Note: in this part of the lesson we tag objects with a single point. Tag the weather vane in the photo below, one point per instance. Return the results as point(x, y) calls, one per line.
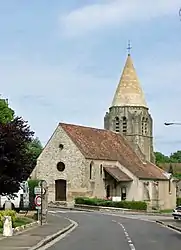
point(129, 47)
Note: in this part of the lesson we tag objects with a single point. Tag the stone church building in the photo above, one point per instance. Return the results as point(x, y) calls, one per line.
point(117, 161)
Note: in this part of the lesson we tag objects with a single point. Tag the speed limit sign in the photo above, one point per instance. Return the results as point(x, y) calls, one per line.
point(38, 200)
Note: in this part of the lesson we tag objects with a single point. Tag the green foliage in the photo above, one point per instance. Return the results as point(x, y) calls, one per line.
point(176, 157)
point(11, 213)
point(6, 113)
point(135, 205)
point(161, 158)
point(35, 148)
point(173, 158)
point(15, 158)
point(32, 184)
point(178, 201)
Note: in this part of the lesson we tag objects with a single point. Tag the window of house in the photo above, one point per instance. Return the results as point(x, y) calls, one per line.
point(169, 185)
point(117, 124)
point(101, 170)
point(123, 193)
point(124, 128)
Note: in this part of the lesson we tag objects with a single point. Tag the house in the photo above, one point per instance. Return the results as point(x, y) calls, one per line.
point(117, 161)
point(175, 169)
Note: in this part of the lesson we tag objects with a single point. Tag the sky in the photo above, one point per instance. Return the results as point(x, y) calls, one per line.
point(60, 61)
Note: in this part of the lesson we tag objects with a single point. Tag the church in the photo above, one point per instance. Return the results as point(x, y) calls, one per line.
point(116, 162)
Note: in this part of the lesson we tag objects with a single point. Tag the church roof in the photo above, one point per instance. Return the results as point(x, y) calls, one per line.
point(100, 144)
point(129, 91)
point(117, 174)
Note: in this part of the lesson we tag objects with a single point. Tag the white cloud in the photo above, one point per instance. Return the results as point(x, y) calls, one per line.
point(46, 94)
point(115, 12)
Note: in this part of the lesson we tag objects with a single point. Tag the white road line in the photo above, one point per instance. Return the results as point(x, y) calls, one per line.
point(130, 243)
point(56, 212)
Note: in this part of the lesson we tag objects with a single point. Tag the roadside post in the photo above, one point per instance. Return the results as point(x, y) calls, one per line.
point(37, 201)
point(41, 201)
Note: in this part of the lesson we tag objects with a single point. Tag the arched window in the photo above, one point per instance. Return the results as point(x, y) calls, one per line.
point(146, 126)
point(142, 125)
point(90, 171)
point(117, 124)
point(124, 127)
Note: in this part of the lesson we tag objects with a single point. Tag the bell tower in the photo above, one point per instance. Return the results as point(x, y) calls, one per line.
point(129, 113)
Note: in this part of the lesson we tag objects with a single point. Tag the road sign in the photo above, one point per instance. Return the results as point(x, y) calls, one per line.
point(37, 190)
point(38, 200)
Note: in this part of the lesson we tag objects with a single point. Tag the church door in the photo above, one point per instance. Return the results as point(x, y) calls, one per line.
point(60, 190)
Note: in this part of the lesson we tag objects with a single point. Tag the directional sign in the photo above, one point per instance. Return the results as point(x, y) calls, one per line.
point(38, 200)
point(37, 190)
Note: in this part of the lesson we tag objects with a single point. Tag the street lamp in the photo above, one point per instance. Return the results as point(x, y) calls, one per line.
point(172, 123)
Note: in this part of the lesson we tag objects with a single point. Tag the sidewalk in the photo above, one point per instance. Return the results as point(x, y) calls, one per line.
point(33, 236)
point(171, 223)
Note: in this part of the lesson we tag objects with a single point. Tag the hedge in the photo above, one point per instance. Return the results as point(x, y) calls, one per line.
point(178, 201)
point(135, 205)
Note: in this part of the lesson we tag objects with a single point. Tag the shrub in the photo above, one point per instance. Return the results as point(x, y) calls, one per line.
point(178, 201)
point(135, 205)
point(11, 213)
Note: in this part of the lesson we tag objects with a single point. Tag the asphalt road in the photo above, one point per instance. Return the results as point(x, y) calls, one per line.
point(105, 232)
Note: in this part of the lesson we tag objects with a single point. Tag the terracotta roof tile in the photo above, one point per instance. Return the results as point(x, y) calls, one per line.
point(100, 144)
point(116, 173)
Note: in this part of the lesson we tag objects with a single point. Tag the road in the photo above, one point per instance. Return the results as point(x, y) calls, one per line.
point(97, 231)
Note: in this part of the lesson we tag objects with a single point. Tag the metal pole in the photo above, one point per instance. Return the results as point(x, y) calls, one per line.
point(172, 123)
point(41, 204)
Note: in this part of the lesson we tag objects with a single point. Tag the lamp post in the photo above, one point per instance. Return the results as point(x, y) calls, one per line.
point(172, 123)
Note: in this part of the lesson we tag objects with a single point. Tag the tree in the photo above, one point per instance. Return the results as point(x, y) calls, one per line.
point(6, 113)
point(161, 158)
point(15, 157)
point(171, 169)
point(35, 147)
point(176, 157)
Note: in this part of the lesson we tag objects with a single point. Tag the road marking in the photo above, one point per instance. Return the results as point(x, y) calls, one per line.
point(56, 212)
point(53, 242)
point(130, 243)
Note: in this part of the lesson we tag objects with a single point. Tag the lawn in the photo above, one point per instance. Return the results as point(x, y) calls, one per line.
point(20, 221)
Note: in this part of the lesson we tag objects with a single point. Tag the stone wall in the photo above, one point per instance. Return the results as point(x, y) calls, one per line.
point(73, 159)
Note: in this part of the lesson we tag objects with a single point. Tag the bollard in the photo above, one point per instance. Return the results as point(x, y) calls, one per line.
point(7, 227)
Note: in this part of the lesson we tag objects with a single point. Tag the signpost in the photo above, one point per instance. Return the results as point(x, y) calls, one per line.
point(41, 200)
point(38, 204)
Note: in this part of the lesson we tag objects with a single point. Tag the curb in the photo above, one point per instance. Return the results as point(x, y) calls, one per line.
point(23, 227)
point(52, 237)
point(168, 225)
point(72, 208)
point(106, 209)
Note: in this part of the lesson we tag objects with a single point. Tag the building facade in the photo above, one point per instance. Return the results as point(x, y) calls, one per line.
point(117, 161)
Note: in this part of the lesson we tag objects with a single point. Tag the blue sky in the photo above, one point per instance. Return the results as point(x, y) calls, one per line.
point(62, 60)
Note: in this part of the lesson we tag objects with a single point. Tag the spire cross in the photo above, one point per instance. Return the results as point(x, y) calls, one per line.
point(129, 47)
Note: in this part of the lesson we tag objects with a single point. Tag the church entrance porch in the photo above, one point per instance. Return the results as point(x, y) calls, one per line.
point(60, 190)
point(116, 183)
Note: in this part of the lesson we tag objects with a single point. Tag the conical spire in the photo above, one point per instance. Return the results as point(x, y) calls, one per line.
point(129, 91)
